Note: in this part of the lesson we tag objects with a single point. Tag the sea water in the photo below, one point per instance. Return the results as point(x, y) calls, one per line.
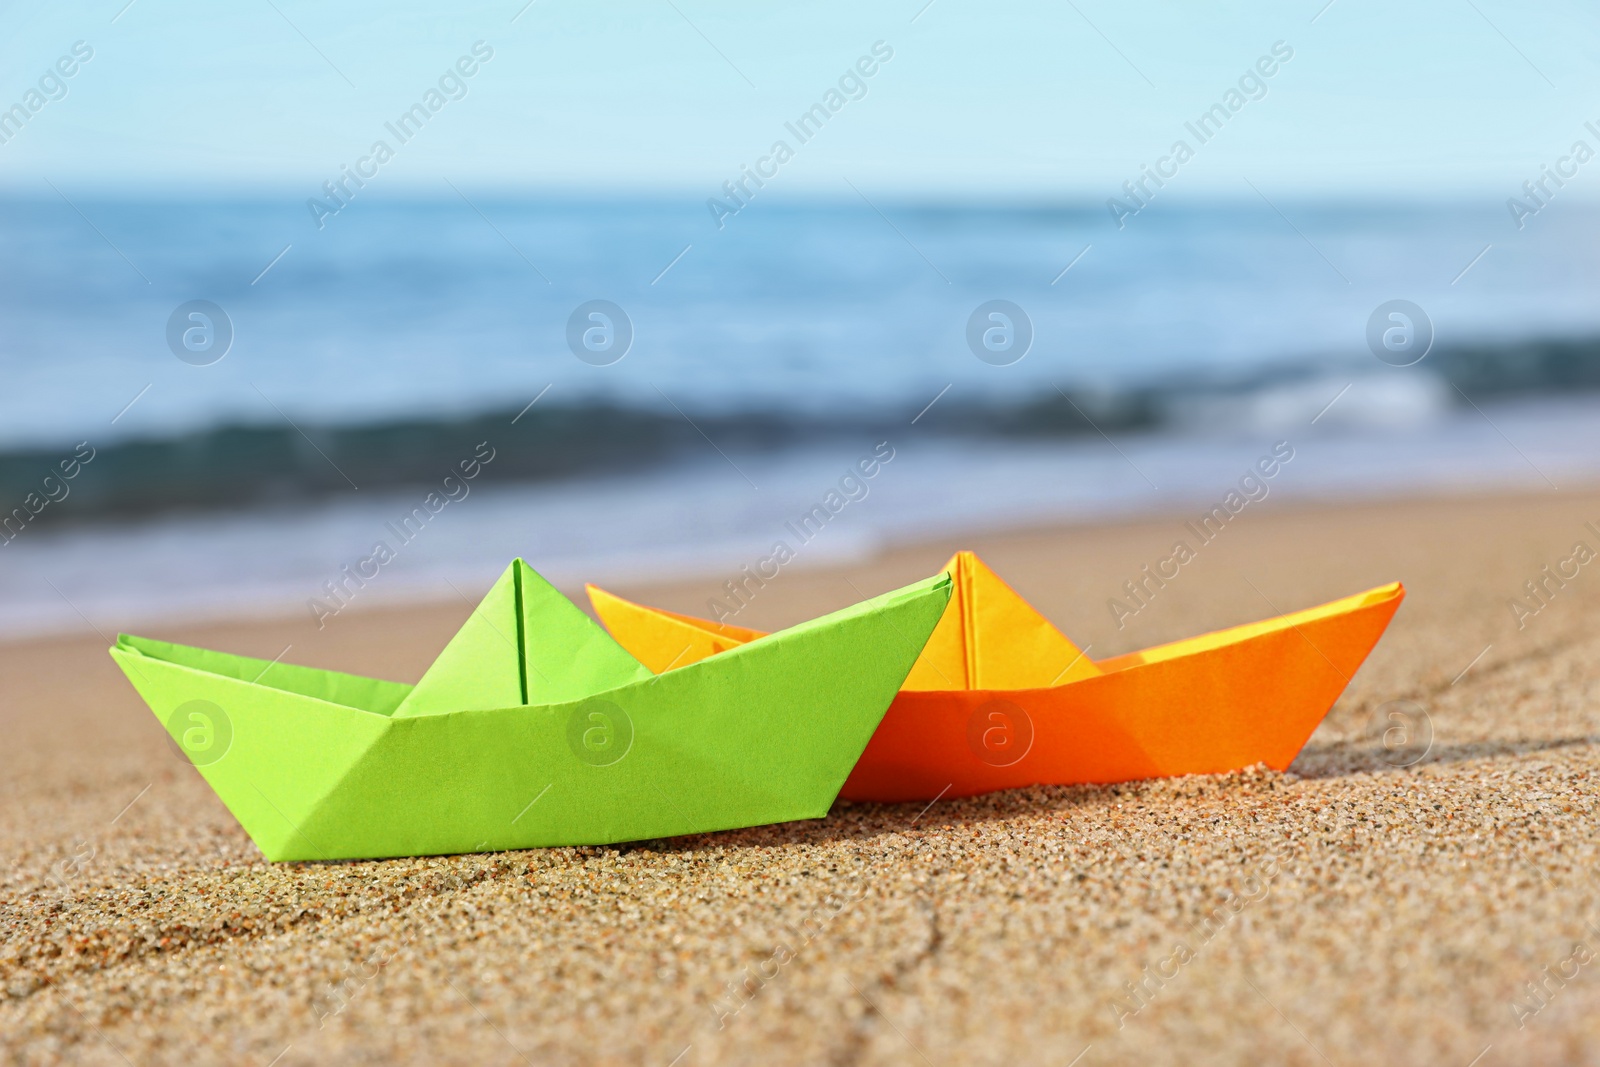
point(1187, 341)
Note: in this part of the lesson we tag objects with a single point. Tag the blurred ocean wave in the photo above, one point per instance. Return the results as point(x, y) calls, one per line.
point(710, 514)
point(428, 312)
point(263, 463)
point(368, 360)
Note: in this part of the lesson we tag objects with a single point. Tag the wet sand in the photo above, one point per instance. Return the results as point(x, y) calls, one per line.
point(1379, 903)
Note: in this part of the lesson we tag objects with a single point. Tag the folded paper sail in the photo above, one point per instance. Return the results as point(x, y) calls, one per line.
point(535, 728)
point(1000, 699)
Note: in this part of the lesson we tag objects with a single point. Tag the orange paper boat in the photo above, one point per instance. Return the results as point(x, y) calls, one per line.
point(1000, 698)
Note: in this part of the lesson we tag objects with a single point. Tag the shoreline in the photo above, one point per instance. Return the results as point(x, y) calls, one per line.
point(707, 582)
point(702, 518)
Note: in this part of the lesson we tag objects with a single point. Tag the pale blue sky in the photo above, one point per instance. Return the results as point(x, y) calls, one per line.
point(1442, 98)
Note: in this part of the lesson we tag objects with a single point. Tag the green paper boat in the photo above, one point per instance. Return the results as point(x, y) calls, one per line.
point(535, 728)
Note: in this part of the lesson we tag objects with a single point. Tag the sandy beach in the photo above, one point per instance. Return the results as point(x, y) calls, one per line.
point(1425, 902)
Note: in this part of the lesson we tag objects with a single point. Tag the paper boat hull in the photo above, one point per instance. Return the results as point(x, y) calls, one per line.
point(767, 736)
point(1208, 705)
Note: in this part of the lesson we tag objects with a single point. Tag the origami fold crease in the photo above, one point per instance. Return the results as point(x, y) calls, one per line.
point(534, 727)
